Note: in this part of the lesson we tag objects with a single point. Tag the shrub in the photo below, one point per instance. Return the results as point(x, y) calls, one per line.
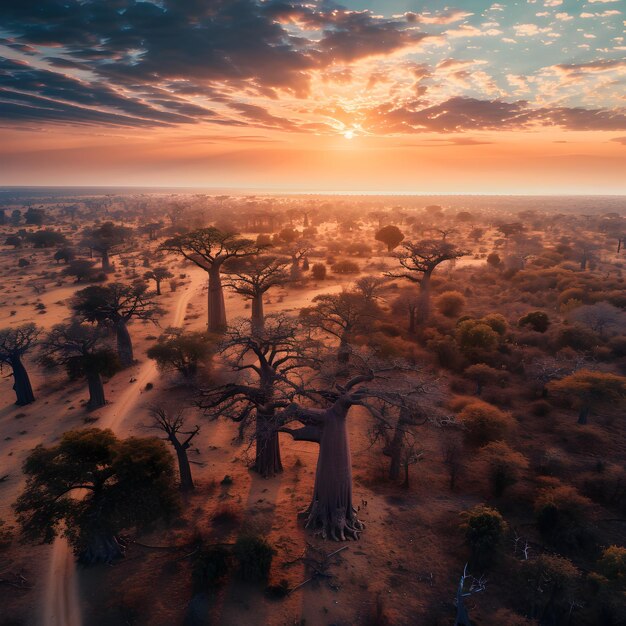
point(23, 262)
point(209, 567)
point(537, 320)
point(484, 529)
point(612, 563)
point(484, 423)
point(474, 336)
point(504, 465)
point(560, 512)
point(318, 271)
point(450, 303)
point(254, 557)
point(346, 267)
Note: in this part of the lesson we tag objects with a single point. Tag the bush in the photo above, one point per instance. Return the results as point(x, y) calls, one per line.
point(346, 267)
point(484, 529)
point(612, 563)
point(484, 423)
point(560, 512)
point(537, 320)
point(209, 567)
point(504, 465)
point(318, 271)
point(474, 337)
point(254, 557)
point(451, 303)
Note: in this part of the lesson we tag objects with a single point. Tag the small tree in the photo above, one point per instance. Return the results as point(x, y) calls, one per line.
point(172, 426)
point(181, 351)
point(82, 270)
point(484, 532)
point(318, 271)
point(391, 236)
point(484, 423)
point(105, 240)
point(84, 351)
point(65, 254)
point(14, 344)
point(158, 275)
point(451, 303)
point(483, 375)
point(115, 305)
point(537, 320)
point(504, 465)
point(590, 390)
point(45, 238)
point(130, 484)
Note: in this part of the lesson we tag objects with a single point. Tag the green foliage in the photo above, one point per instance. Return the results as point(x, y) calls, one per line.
point(254, 558)
point(537, 320)
point(128, 484)
point(484, 530)
point(473, 336)
point(181, 351)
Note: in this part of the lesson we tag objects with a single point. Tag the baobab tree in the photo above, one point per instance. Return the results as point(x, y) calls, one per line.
point(14, 344)
point(331, 511)
point(391, 236)
point(114, 306)
point(298, 251)
point(267, 368)
point(210, 248)
point(252, 278)
point(158, 275)
point(419, 260)
point(173, 426)
point(105, 240)
point(85, 352)
point(342, 315)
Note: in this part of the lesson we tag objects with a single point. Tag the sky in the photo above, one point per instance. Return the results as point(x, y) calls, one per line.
point(365, 95)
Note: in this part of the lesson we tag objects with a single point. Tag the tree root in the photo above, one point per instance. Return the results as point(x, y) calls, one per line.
point(333, 525)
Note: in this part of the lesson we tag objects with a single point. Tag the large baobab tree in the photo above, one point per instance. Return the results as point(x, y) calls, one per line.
point(173, 425)
point(14, 344)
point(85, 352)
point(331, 511)
point(342, 315)
point(210, 248)
point(298, 251)
point(105, 240)
point(267, 368)
point(252, 278)
point(115, 305)
point(418, 261)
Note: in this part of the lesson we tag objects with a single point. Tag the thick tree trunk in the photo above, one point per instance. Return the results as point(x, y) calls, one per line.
point(217, 308)
point(294, 273)
point(124, 344)
point(343, 354)
point(158, 287)
point(106, 263)
point(331, 511)
point(395, 453)
point(96, 391)
point(101, 549)
point(21, 385)
point(423, 312)
point(258, 317)
point(267, 460)
point(583, 414)
point(184, 468)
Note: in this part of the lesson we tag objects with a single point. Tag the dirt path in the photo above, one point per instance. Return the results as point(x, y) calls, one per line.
point(61, 604)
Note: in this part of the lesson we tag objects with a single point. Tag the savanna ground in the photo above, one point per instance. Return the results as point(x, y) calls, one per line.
point(406, 566)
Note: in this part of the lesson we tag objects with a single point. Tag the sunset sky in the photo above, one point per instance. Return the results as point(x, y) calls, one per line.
point(379, 95)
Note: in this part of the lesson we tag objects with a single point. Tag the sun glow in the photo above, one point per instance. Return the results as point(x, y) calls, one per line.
point(349, 134)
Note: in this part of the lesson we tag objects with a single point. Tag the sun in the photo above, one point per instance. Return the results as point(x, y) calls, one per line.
point(349, 134)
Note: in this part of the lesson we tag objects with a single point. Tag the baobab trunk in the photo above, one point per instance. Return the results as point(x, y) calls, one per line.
point(217, 309)
point(106, 263)
point(258, 316)
point(395, 453)
point(294, 272)
point(267, 460)
point(124, 343)
point(184, 468)
point(96, 391)
point(424, 299)
point(331, 510)
point(21, 385)
point(343, 354)
point(158, 287)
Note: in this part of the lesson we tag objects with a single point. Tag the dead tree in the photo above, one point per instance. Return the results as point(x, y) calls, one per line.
point(252, 278)
point(14, 344)
point(468, 586)
point(209, 249)
point(266, 367)
point(172, 426)
point(418, 261)
point(297, 252)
